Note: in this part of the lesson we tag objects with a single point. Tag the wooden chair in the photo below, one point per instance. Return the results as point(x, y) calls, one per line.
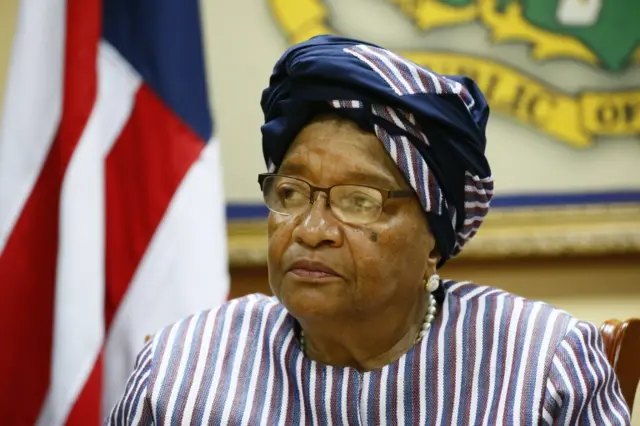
point(622, 345)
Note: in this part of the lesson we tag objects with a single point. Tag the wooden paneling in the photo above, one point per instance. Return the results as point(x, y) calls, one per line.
point(532, 277)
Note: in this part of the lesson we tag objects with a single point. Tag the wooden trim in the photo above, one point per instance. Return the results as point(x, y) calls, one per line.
point(506, 233)
point(536, 278)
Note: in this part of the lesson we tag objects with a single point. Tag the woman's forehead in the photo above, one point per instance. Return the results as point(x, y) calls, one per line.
point(339, 148)
point(329, 137)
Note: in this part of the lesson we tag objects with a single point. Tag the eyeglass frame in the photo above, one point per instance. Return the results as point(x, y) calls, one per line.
point(385, 193)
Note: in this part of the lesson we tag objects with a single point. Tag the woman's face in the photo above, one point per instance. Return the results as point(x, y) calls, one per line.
point(375, 265)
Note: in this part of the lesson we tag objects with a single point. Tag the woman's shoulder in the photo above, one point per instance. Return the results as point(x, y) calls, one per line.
point(210, 327)
point(465, 292)
point(555, 362)
point(210, 322)
point(496, 307)
point(178, 355)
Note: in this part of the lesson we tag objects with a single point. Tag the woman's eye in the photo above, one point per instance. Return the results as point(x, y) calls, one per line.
point(291, 194)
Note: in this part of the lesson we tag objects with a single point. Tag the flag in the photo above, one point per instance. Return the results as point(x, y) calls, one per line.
point(111, 211)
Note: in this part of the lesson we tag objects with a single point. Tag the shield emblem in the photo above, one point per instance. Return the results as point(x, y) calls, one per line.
point(593, 33)
point(604, 33)
point(609, 29)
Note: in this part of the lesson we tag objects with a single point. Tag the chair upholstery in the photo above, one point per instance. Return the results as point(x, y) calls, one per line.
point(622, 346)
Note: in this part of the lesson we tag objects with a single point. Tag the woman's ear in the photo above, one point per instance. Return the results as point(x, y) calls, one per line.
point(432, 261)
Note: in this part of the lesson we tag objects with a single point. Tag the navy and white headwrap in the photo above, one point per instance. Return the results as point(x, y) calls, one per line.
point(432, 126)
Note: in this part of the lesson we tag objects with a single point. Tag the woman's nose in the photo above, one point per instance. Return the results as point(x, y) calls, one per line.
point(318, 225)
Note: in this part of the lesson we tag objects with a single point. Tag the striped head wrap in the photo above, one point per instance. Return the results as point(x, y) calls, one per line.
point(431, 125)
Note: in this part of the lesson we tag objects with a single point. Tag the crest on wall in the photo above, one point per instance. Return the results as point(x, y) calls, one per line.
point(540, 58)
point(598, 33)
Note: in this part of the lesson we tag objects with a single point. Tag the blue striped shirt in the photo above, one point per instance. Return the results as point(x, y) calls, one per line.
point(490, 358)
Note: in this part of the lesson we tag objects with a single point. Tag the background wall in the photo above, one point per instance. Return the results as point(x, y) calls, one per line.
point(8, 10)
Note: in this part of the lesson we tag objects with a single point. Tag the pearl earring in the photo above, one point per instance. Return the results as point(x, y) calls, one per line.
point(433, 283)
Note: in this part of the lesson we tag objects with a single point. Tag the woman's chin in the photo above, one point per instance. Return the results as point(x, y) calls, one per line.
point(305, 299)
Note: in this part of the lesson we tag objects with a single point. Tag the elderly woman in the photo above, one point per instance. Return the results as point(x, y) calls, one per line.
point(377, 176)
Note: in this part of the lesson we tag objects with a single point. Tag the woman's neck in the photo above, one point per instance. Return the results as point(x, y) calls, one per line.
point(366, 344)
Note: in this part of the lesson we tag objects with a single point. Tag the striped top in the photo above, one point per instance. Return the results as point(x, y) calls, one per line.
point(490, 358)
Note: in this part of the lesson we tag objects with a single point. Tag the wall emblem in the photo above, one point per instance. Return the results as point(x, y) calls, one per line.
point(603, 35)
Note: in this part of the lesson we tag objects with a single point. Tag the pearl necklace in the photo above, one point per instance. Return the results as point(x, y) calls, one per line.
point(432, 309)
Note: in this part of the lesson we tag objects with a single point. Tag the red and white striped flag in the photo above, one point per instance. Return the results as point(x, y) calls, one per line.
point(112, 219)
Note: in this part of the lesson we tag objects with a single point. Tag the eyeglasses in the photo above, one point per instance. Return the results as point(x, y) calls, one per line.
point(353, 204)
